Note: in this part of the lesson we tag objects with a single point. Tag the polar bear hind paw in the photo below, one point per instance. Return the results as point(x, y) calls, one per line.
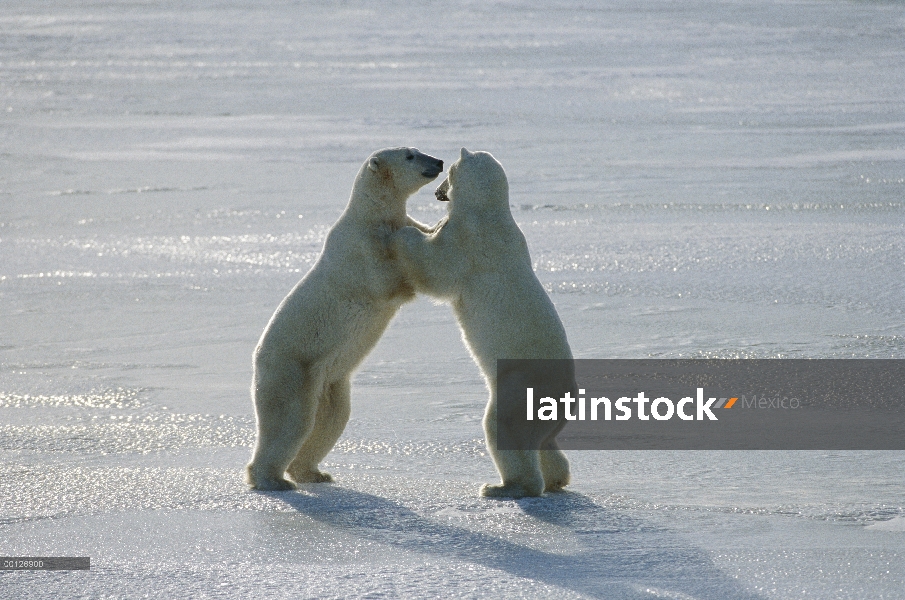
point(312, 477)
point(513, 490)
point(556, 486)
point(274, 485)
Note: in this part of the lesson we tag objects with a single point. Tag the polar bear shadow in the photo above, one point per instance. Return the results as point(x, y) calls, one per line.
point(613, 545)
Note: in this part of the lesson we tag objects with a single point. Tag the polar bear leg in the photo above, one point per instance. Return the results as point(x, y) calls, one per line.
point(519, 469)
point(285, 398)
point(333, 412)
point(554, 465)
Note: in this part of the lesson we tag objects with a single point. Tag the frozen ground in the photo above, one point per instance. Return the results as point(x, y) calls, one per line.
point(716, 179)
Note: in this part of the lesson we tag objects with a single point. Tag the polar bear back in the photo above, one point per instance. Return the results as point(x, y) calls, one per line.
point(501, 305)
point(505, 312)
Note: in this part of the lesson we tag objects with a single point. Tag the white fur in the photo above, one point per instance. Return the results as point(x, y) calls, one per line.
point(478, 261)
point(330, 321)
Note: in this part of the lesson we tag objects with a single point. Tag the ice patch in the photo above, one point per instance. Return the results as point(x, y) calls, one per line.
point(130, 433)
point(894, 524)
point(118, 398)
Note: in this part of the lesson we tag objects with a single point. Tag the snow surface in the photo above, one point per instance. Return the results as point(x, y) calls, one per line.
point(695, 179)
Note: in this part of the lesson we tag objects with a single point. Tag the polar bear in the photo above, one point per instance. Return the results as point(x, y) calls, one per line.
point(330, 321)
point(478, 261)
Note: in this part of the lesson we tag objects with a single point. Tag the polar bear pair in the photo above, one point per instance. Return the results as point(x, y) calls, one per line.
point(476, 259)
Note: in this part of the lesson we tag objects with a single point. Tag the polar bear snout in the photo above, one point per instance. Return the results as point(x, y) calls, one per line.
point(432, 166)
point(441, 190)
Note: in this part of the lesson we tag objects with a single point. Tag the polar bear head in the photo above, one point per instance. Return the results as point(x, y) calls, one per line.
point(401, 170)
point(477, 180)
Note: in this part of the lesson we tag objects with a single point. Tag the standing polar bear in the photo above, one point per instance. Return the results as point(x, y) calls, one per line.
point(478, 261)
point(329, 322)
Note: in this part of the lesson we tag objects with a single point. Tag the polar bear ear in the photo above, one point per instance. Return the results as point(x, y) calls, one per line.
point(374, 164)
point(464, 153)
